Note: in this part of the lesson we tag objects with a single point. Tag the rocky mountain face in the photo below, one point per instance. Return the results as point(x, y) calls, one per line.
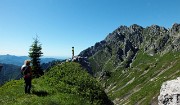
point(120, 47)
point(132, 62)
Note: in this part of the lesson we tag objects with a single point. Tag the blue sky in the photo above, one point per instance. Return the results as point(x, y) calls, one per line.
point(61, 24)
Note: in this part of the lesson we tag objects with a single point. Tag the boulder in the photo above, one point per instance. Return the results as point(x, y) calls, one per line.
point(170, 93)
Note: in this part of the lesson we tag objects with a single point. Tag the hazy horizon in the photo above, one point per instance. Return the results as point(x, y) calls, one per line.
point(56, 57)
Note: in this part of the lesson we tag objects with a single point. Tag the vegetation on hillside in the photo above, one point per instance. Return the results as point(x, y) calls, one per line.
point(63, 84)
point(140, 84)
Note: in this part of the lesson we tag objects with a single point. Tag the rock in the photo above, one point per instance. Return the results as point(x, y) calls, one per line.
point(170, 93)
point(175, 29)
point(84, 63)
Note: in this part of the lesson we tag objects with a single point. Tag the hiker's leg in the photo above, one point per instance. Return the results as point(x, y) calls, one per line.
point(26, 85)
point(29, 85)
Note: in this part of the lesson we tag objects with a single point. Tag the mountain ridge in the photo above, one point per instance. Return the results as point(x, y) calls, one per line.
point(136, 35)
point(124, 42)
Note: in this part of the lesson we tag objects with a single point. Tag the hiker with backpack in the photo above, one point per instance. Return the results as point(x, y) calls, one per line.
point(27, 74)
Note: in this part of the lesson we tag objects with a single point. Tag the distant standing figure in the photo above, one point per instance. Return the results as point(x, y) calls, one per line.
point(27, 74)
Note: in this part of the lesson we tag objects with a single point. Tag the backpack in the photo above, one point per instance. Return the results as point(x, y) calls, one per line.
point(24, 70)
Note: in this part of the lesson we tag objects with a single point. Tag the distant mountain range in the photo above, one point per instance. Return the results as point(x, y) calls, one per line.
point(19, 60)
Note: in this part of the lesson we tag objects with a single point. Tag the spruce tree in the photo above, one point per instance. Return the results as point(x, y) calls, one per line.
point(35, 53)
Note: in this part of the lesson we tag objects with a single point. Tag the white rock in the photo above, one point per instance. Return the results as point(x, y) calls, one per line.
point(170, 93)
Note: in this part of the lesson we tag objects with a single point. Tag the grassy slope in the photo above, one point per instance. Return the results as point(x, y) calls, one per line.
point(66, 84)
point(141, 83)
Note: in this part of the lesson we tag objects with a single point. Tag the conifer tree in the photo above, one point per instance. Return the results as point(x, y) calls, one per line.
point(35, 53)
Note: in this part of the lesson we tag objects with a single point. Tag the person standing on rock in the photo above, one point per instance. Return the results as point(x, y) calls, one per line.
point(27, 74)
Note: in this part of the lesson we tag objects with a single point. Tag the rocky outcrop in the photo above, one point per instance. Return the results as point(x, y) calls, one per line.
point(93, 49)
point(155, 39)
point(170, 93)
point(84, 63)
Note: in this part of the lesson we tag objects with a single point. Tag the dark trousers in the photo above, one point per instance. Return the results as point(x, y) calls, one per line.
point(27, 85)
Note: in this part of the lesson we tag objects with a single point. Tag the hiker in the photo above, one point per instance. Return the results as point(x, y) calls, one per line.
point(27, 74)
